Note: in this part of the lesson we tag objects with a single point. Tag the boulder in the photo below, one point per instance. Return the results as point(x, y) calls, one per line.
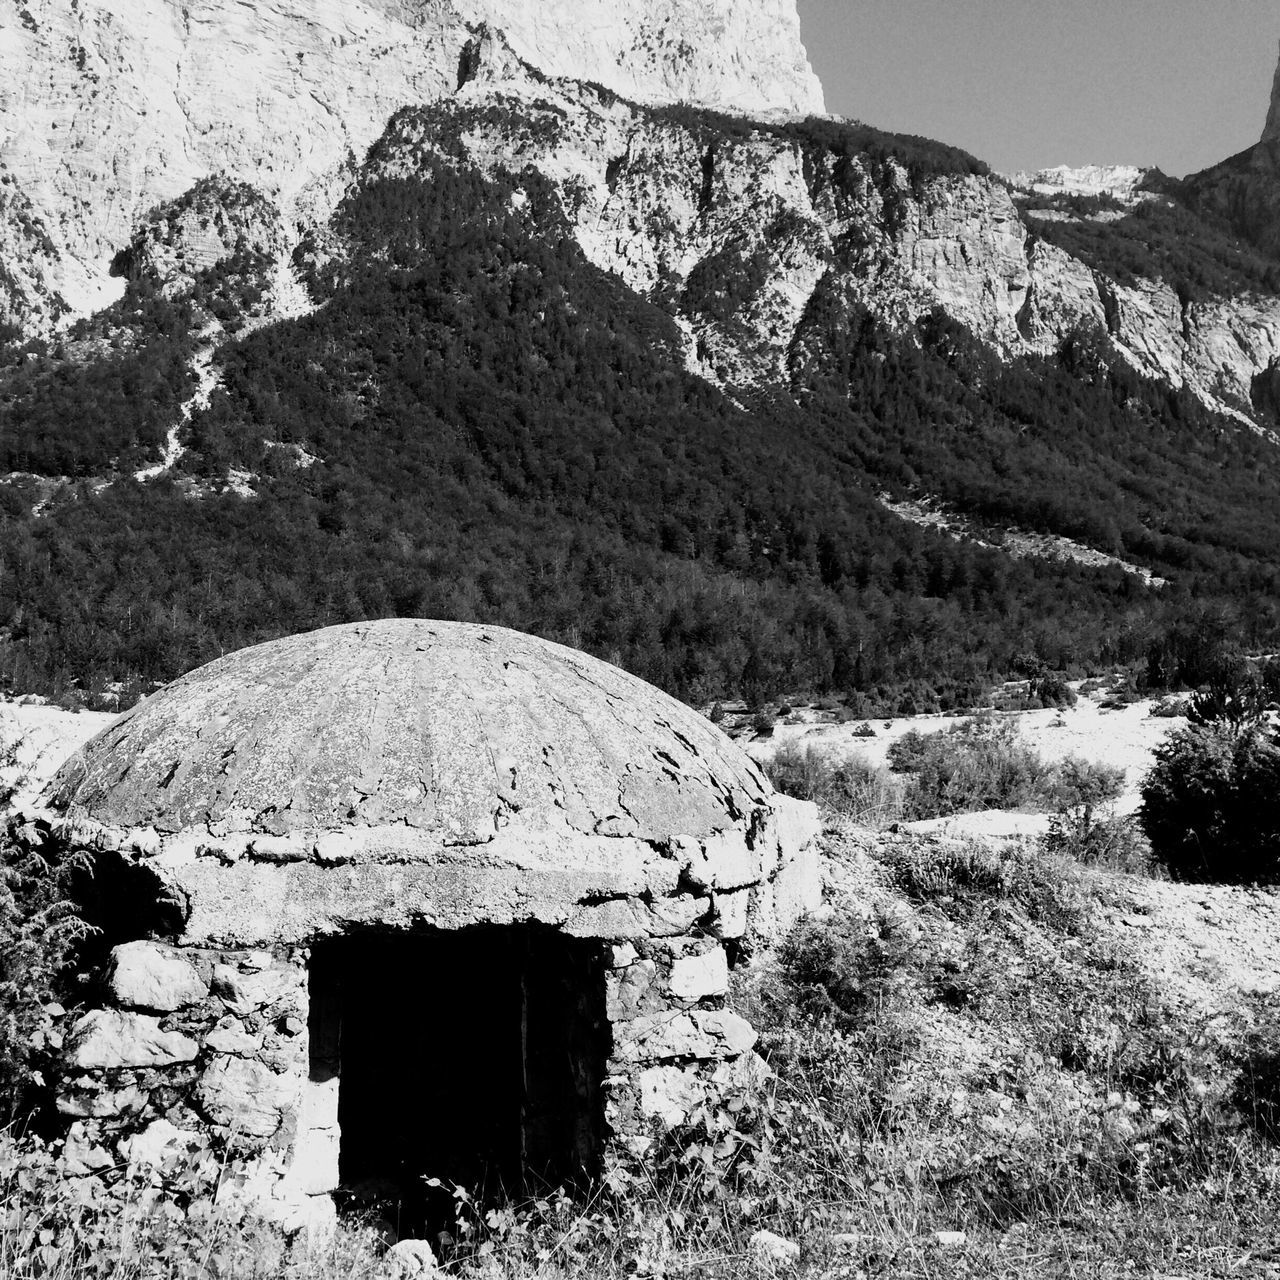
point(245, 1096)
point(409, 1259)
point(106, 1038)
point(144, 975)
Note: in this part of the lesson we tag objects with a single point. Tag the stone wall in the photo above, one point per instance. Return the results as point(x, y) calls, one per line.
point(188, 1041)
point(197, 1042)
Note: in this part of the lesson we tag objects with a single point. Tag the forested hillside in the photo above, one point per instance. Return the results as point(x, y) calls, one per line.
point(477, 423)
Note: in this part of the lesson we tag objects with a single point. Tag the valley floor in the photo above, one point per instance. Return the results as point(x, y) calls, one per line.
point(990, 1061)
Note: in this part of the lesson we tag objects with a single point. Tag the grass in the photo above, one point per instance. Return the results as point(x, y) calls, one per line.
point(959, 1043)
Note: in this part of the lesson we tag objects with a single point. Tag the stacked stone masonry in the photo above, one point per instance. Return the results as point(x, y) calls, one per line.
point(503, 791)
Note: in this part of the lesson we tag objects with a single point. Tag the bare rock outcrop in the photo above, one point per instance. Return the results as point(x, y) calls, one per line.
point(1271, 132)
point(108, 109)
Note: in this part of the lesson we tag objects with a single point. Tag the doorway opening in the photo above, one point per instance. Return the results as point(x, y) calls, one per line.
point(475, 1057)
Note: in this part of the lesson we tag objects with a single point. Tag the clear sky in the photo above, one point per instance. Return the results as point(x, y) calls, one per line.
point(1025, 84)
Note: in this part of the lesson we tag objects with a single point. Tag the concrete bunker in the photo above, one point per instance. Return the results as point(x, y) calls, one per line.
point(406, 899)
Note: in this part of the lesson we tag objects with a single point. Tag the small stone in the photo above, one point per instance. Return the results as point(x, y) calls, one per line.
point(737, 1033)
point(146, 842)
point(773, 1251)
point(81, 1157)
point(622, 955)
point(146, 976)
point(408, 1259)
point(87, 1100)
point(231, 1038)
point(336, 848)
point(697, 977)
point(281, 849)
point(950, 1239)
point(244, 993)
point(626, 989)
point(159, 1141)
point(105, 1038)
point(669, 1094)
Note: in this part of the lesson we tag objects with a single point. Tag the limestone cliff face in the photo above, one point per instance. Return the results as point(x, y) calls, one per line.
point(737, 233)
point(1271, 132)
point(108, 109)
point(182, 133)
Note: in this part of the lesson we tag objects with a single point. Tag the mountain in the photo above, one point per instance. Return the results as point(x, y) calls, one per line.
point(440, 315)
point(109, 109)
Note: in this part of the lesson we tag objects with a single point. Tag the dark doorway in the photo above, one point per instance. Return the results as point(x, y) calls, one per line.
point(476, 1057)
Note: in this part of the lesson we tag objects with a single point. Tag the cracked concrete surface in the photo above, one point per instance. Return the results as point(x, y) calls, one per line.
point(405, 772)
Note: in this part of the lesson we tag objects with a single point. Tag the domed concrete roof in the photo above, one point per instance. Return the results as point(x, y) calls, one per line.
point(451, 730)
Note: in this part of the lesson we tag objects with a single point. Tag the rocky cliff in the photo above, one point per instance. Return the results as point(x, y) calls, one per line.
point(115, 118)
point(1271, 132)
point(739, 228)
point(109, 109)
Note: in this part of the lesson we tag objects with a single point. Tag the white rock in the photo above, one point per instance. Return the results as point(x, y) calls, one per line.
point(772, 1251)
point(407, 1259)
point(696, 977)
point(144, 975)
point(230, 1037)
point(247, 1097)
point(669, 1094)
point(158, 1141)
point(80, 1156)
point(106, 1038)
point(159, 93)
point(736, 1033)
point(950, 1239)
point(247, 992)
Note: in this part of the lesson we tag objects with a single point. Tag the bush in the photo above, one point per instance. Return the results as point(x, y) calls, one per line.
point(848, 787)
point(1099, 840)
point(978, 764)
point(1211, 804)
point(1053, 691)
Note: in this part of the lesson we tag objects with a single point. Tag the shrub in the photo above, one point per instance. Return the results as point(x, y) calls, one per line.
point(848, 787)
point(965, 878)
point(977, 764)
point(1053, 691)
point(39, 931)
point(1211, 804)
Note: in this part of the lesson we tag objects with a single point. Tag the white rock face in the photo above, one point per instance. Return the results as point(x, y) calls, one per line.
point(653, 204)
point(1120, 181)
point(1272, 130)
point(109, 107)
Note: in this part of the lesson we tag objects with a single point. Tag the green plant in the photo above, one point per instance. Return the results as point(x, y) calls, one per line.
point(1211, 804)
point(847, 787)
point(39, 934)
point(978, 764)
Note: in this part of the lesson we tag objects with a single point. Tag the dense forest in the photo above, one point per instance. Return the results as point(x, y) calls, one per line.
point(479, 424)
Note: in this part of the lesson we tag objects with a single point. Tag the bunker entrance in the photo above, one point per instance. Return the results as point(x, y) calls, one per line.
point(476, 1057)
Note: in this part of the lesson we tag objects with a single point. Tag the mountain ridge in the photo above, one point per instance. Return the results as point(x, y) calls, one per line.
point(654, 379)
point(109, 109)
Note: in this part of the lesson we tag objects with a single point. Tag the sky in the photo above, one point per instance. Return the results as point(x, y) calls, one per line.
point(1025, 84)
